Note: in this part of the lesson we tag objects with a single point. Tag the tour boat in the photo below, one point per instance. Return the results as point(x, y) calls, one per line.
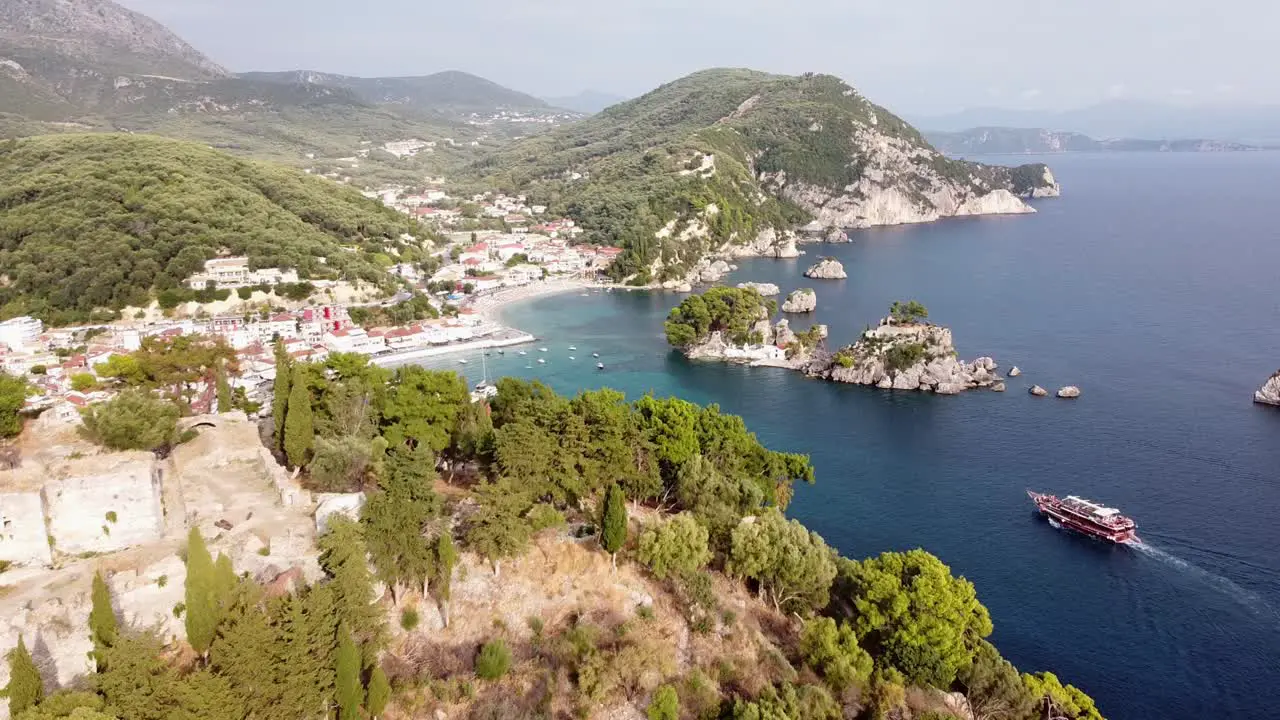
point(1086, 517)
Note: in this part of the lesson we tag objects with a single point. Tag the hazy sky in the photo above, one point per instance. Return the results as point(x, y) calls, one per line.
point(915, 56)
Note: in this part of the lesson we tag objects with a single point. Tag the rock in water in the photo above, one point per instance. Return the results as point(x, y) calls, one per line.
point(1014, 371)
point(783, 335)
point(1269, 393)
point(826, 269)
point(768, 243)
point(765, 289)
point(998, 387)
point(1038, 391)
point(803, 300)
point(835, 235)
point(1070, 391)
point(913, 356)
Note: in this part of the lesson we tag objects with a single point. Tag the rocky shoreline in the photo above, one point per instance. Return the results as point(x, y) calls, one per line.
point(906, 356)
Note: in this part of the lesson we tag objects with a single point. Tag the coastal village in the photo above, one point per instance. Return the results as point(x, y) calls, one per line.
point(522, 253)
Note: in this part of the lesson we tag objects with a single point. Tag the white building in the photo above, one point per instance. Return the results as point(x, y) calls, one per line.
point(20, 333)
point(234, 272)
point(353, 340)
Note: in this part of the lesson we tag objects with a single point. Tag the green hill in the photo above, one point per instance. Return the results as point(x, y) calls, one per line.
point(720, 155)
point(92, 223)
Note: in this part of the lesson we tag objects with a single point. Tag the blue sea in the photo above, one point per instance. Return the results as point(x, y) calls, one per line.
point(1153, 283)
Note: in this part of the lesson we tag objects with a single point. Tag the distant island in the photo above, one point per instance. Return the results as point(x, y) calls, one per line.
point(1020, 141)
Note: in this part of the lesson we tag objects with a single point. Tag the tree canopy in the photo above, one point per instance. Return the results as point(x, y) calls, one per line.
point(731, 311)
point(94, 223)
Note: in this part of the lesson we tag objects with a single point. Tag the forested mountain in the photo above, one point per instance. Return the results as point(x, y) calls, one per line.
point(450, 91)
point(720, 155)
point(1009, 140)
point(90, 223)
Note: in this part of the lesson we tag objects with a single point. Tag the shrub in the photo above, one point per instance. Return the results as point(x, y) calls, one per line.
point(674, 547)
point(162, 581)
point(901, 357)
point(494, 660)
point(665, 704)
point(111, 516)
point(409, 619)
point(132, 420)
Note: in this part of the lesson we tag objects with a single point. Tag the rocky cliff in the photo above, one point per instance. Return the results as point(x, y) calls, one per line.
point(914, 356)
point(1269, 393)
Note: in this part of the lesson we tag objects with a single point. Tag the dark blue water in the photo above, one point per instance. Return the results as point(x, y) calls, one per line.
point(1154, 284)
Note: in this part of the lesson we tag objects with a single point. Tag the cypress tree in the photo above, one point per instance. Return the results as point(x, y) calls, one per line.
point(379, 693)
point(613, 523)
point(201, 616)
point(349, 691)
point(446, 559)
point(25, 687)
point(224, 582)
point(299, 426)
point(224, 389)
point(280, 392)
point(102, 621)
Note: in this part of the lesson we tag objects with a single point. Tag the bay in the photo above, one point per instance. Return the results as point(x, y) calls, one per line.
point(1154, 285)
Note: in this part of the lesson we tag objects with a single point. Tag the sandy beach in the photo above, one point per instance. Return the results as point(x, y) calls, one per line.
point(490, 305)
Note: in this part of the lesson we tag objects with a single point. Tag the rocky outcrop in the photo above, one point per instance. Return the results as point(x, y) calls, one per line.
point(767, 243)
point(1068, 392)
point(906, 357)
point(765, 289)
point(783, 335)
point(1269, 393)
point(717, 347)
point(826, 269)
point(804, 300)
point(713, 271)
point(1038, 391)
point(1014, 371)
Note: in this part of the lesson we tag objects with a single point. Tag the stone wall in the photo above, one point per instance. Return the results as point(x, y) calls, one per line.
point(23, 537)
point(105, 506)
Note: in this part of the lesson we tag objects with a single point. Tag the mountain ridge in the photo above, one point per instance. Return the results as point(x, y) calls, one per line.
point(1012, 141)
point(451, 89)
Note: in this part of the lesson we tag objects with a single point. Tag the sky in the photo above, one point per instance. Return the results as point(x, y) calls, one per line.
point(913, 56)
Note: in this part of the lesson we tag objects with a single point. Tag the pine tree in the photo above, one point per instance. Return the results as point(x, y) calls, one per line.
point(102, 621)
point(299, 426)
point(613, 523)
point(280, 390)
point(224, 389)
point(25, 688)
point(379, 693)
point(201, 615)
point(347, 667)
point(344, 557)
point(446, 559)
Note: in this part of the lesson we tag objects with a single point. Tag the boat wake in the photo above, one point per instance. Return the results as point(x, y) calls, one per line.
point(1249, 599)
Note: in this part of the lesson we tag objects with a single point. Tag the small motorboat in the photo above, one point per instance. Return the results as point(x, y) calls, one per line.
point(541, 361)
point(502, 352)
point(599, 366)
point(572, 357)
point(595, 354)
point(523, 352)
point(463, 361)
point(542, 349)
point(572, 348)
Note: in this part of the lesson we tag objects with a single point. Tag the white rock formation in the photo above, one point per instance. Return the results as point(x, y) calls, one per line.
point(903, 182)
point(1269, 393)
point(1038, 391)
point(1014, 371)
point(826, 269)
point(717, 347)
point(783, 335)
point(804, 300)
point(869, 361)
point(765, 289)
point(767, 243)
point(1070, 391)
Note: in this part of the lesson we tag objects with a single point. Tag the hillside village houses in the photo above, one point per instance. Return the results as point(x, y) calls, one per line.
point(233, 272)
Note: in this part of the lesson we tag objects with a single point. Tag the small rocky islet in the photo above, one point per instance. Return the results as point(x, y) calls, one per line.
point(1269, 393)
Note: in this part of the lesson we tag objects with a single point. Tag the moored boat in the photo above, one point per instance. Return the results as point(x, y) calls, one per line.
point(1086, 517)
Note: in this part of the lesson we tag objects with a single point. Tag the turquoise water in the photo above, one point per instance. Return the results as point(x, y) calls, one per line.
point(1154, 285)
